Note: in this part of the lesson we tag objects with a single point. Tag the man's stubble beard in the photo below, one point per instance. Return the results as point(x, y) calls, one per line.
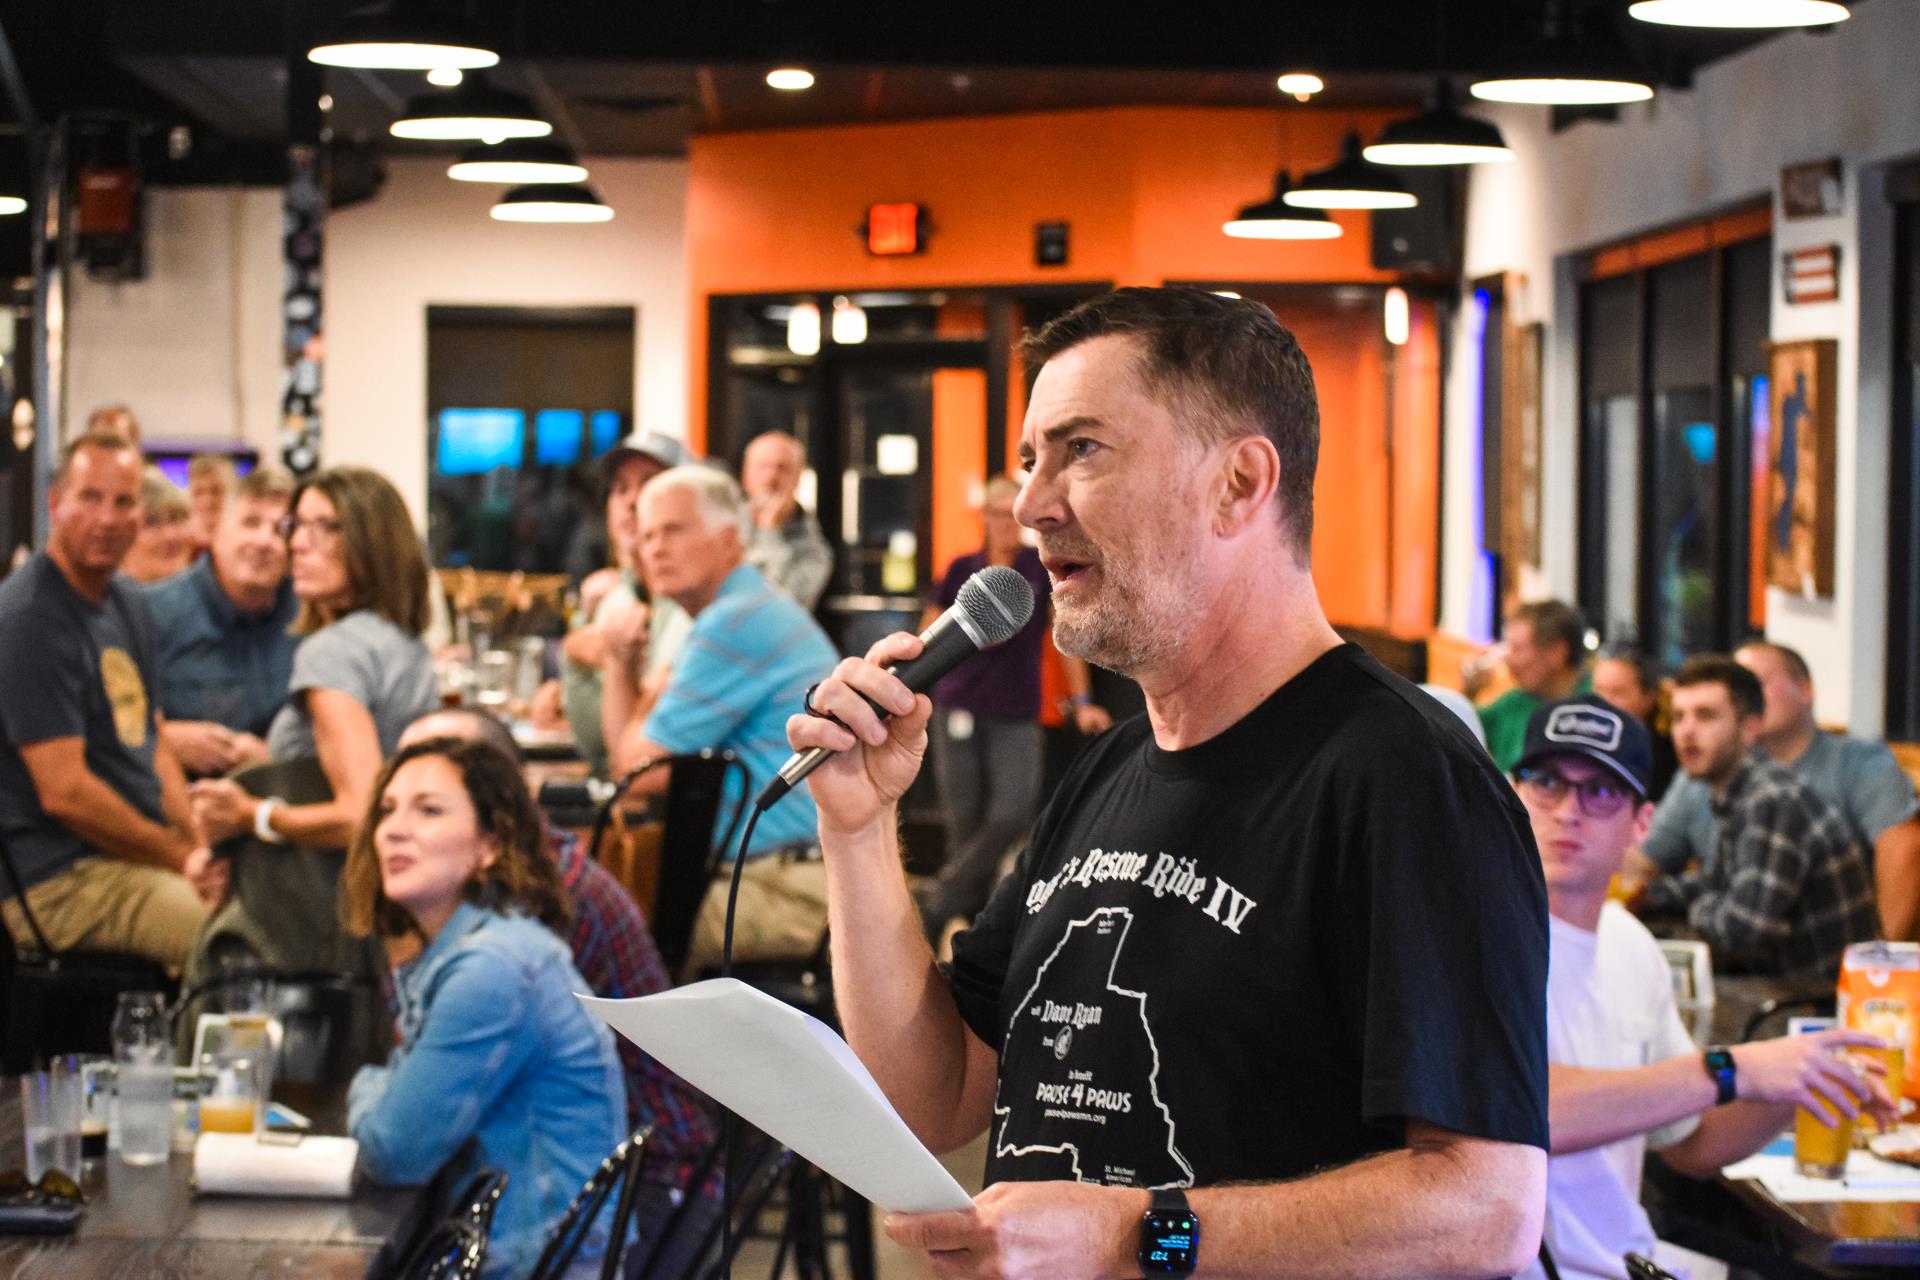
point(1139, 618)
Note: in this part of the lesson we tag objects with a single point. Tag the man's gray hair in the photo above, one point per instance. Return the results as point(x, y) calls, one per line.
point(719, 495)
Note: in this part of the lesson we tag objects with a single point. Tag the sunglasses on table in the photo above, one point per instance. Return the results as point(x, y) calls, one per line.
point(1600, 797)
point(53, 1184)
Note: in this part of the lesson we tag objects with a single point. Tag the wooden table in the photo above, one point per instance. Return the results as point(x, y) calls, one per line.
point(1836, 1233)
point(149, 1223)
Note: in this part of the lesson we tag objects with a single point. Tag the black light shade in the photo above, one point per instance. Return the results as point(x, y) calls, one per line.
point(475, 110)
point(1275, 219)
point(1439, 135)
point(403, 36)
point(1580, 60)
point(1351, 183)
point(519, 160)
point(551, 202)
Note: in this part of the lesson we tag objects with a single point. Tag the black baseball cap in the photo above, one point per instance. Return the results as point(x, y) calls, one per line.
point(1591, 727)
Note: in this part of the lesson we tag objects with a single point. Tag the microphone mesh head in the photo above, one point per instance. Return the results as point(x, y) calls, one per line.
point(997, 601)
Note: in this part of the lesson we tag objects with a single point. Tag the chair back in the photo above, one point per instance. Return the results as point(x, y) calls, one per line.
point(688, 856)
point(620, 1172)
point(481, 1197)
point(54, 1002)
point(454, 1250)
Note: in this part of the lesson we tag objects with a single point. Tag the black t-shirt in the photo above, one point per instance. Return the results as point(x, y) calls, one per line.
point(1258, 956)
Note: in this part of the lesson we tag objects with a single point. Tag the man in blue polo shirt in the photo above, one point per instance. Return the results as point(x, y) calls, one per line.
point(225, 651)
point(744, 669)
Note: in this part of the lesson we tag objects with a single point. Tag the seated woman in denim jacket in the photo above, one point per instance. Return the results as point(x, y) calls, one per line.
point(494, 1047)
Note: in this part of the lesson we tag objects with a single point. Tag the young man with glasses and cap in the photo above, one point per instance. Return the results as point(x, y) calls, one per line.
point(1623, 1075)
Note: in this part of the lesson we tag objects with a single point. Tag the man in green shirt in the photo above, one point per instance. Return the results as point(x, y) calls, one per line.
point(1546, 654)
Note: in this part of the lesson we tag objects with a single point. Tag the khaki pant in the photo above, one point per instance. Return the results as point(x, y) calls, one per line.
point(104, 904)
point(781, 913)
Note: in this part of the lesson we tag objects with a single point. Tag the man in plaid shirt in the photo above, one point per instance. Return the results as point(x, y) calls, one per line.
point(1785, 887)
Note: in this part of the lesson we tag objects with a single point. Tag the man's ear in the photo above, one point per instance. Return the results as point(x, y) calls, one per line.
point(1245, 482)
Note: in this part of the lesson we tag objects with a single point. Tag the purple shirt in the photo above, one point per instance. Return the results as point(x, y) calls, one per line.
point(1002, 683)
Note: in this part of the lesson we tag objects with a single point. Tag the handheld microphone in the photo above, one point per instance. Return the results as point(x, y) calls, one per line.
point(991, 608)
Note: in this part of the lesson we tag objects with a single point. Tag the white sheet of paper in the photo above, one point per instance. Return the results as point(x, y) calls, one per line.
point(790, 1076)
point(1869, 1178)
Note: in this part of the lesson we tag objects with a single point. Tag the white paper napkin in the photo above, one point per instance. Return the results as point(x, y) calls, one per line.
point(238, 1165)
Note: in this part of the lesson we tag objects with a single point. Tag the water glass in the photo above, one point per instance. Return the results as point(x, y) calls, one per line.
point(50, 1109)
point(493, 679)
point(143, 1052)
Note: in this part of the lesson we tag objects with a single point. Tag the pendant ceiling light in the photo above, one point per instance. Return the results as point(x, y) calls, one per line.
point(551, 202)
point(476, 110)
point(11, 205)
point(1275, 219)
point(1351, 183)
point(1576, 62)
point(520, 161)
point(1739, 13)
point(1439, 135)
point(403, 36)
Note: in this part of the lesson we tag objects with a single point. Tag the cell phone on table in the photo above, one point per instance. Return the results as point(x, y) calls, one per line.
point(1639, 1268)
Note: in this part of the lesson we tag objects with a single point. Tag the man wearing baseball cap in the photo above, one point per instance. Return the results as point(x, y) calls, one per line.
point(612, 596)
point(1624, 1077)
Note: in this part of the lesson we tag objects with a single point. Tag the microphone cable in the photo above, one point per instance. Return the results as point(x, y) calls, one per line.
point(726, 971)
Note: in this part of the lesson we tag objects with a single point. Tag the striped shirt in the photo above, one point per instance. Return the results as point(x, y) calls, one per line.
point(745, 668)
point(1785, 887)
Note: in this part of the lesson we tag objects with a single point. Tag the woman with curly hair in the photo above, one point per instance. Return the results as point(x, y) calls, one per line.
point(493, 1046)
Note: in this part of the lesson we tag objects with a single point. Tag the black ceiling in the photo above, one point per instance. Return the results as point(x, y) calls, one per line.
point(637, 77)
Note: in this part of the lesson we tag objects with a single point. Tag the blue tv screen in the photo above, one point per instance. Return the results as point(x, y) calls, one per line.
point(556, 436)
point(475, 441)
point(607, 431)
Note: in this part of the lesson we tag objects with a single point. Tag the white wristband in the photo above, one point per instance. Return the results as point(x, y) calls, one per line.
point(263, 821)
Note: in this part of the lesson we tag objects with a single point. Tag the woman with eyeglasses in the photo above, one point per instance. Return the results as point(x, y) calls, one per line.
point(360, 676)
point(493, 1046)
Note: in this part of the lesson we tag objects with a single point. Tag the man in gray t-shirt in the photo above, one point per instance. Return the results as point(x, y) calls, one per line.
point(1858, 777)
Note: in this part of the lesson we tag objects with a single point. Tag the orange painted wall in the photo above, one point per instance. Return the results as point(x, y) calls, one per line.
point(1144, 189)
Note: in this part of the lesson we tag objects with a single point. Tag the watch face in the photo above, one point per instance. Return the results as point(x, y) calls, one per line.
point(1169, 1242)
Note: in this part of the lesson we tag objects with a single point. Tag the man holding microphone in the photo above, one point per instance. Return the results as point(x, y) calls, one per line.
point(1264, 994)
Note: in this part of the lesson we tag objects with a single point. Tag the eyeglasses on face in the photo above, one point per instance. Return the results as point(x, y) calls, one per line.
point(318, 526)
point(1600, 797)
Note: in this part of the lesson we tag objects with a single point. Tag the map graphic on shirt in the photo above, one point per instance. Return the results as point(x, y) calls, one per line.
point(1102, 1073)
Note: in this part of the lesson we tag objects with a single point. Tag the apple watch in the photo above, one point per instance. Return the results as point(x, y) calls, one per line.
point(1169, 1235)
point(1719, 1061)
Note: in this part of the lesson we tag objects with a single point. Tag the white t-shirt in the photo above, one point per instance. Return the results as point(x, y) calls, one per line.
point(1609, 1005)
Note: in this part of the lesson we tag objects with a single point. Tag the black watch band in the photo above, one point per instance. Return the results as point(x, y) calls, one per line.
point(1719, 1059)
point(1169, 1235)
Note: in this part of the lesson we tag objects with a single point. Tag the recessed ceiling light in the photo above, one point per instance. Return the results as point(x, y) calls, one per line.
point(551, 202)
point(790, 79)
point(1739, 13)
point(1301, 84)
